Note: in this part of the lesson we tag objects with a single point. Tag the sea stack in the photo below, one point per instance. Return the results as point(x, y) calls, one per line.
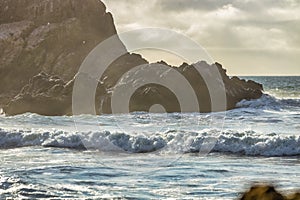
point(44, 42)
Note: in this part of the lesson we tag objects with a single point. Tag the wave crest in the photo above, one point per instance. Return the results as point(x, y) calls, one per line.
point(267, 102)
point(245, 143)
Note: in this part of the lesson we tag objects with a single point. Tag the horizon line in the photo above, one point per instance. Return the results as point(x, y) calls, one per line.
point(264, 75)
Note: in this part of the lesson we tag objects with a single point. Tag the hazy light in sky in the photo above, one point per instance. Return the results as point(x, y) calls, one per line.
point(249, 37)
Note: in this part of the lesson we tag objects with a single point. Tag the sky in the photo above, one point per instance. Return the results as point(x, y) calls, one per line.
point(248, 37)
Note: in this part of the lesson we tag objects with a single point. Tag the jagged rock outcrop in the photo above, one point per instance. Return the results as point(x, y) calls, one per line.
point(43, 43)
point(50, 95)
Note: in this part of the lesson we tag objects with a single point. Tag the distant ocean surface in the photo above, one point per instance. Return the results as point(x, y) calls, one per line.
point(156, 156)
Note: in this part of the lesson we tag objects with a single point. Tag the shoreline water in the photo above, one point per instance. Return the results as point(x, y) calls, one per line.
point(255, 145)
point(82, 175)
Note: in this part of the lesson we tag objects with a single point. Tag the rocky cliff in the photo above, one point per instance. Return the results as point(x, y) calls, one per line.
point(52, 36)
point(43, 43)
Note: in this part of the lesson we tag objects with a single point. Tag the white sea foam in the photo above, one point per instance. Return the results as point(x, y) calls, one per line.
point(245, 143)
point(267, 102)
point(274, 124)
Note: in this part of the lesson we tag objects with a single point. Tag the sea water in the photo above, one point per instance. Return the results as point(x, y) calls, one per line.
point(156, 156)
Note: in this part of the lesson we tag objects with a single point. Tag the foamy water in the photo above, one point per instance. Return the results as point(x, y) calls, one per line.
point(151, 156)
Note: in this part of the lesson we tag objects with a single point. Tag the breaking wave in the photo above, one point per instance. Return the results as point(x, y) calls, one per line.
point(243, 143)
point(268, 102)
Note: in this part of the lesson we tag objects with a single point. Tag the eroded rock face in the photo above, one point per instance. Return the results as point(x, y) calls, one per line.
point(43, 43)
point(44, 94)
point(53, 36)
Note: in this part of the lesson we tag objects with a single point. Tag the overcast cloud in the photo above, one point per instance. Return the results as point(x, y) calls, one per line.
point(246, 36)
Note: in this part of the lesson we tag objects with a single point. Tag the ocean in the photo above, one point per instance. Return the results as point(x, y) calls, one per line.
point(156, 156)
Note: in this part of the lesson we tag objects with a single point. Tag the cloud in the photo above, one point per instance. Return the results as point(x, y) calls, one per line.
point(262, 27)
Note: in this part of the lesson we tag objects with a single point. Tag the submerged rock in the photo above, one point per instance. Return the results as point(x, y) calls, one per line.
point(44, 42)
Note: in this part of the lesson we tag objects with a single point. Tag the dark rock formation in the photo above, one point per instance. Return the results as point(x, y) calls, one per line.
point(45, 95)
point(51, 95)
point(267, 192)
point(52, 36)
point(43, 43)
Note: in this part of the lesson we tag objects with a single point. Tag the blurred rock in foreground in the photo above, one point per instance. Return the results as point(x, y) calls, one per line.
point(267, 192)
